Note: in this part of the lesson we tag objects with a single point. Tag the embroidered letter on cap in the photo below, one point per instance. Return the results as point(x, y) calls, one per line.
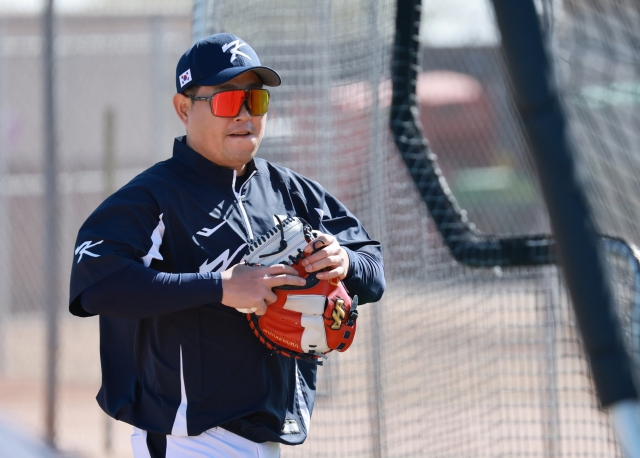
point(235, 50)
point(185, 77)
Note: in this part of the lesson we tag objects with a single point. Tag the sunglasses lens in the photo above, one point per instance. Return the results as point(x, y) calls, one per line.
point(258, 101)
point(227, 103)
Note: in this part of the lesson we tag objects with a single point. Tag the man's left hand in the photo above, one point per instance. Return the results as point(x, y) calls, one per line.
point(330, 256)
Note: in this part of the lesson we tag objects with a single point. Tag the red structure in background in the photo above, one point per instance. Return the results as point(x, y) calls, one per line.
point(455, 112)
point(457, 117)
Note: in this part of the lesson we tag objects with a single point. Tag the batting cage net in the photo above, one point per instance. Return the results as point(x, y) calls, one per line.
point(596, 52)
point(474, 349)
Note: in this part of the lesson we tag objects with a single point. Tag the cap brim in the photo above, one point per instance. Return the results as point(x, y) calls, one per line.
point(268, 76)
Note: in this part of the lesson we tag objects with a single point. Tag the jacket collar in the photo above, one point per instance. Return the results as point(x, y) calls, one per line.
point(202, 165)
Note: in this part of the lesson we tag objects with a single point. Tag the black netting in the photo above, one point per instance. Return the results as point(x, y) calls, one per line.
point(455, 360)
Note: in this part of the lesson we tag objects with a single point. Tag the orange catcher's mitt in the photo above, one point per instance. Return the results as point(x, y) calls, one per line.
point(305, 322)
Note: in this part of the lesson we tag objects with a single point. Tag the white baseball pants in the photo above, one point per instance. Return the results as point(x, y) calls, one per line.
point(213, 443)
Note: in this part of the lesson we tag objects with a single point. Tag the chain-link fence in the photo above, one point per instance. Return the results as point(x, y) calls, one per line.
point(114, 79)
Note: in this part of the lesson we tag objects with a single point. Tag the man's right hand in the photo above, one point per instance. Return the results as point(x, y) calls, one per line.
point(250, 287)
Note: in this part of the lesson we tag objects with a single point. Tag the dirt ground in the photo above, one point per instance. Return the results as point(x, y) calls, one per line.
point(81, 426)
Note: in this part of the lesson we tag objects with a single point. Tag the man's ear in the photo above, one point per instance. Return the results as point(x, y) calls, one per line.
point(182, 105)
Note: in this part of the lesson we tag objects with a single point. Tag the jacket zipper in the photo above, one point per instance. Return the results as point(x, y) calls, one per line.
point(239, 200)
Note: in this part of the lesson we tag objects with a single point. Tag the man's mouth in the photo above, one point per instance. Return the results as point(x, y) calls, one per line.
point(242, 133)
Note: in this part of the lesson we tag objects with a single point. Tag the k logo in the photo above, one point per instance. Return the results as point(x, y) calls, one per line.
point(84, 249)
point(234, 51)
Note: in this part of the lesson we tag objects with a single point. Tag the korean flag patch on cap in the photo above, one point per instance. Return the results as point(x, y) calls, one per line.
point(185, 78)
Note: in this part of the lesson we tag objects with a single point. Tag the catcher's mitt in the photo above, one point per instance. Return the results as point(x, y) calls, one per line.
point(305, 322)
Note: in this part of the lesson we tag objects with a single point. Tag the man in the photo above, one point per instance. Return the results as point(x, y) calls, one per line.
point(160, 262)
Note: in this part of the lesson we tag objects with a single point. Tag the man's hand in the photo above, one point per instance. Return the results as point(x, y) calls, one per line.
point(330, 256)
point(250, 287)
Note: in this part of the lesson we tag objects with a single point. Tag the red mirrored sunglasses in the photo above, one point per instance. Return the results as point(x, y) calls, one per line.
point(229, 103)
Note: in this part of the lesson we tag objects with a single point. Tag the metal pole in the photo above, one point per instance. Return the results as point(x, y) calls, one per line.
point(109, 165)
point(109, 179)
point(158, 85)
point(208, 18)
point(550, 410)
point(51, 295)
point(377, 224)
point(199, 23)
point(5, 240)
point(325, 131)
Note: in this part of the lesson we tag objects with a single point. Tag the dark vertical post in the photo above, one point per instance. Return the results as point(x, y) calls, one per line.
point(577, 242)
point(51, 284)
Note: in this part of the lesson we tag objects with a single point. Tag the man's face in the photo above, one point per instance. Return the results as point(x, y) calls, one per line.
point(227, 142)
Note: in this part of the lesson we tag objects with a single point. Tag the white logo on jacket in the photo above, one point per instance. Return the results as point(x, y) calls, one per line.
point(206, 232)
point(234, 51)
point(223, 260)
point(84, 247)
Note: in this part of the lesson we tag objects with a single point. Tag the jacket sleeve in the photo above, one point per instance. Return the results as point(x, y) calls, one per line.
point(366, 269)
point(113, 258)
point(140, 292)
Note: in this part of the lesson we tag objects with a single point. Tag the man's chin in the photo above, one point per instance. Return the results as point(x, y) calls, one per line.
point(243, 157)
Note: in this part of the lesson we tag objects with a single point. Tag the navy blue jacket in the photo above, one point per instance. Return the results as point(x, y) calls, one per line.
point(148, 261)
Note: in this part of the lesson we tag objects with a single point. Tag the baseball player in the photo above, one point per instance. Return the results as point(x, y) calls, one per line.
point(160, 261)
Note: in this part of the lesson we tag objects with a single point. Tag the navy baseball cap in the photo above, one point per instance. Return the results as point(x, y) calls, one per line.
point(217, 59)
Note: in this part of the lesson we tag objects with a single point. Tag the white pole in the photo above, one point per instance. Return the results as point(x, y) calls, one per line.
point(625, 416)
